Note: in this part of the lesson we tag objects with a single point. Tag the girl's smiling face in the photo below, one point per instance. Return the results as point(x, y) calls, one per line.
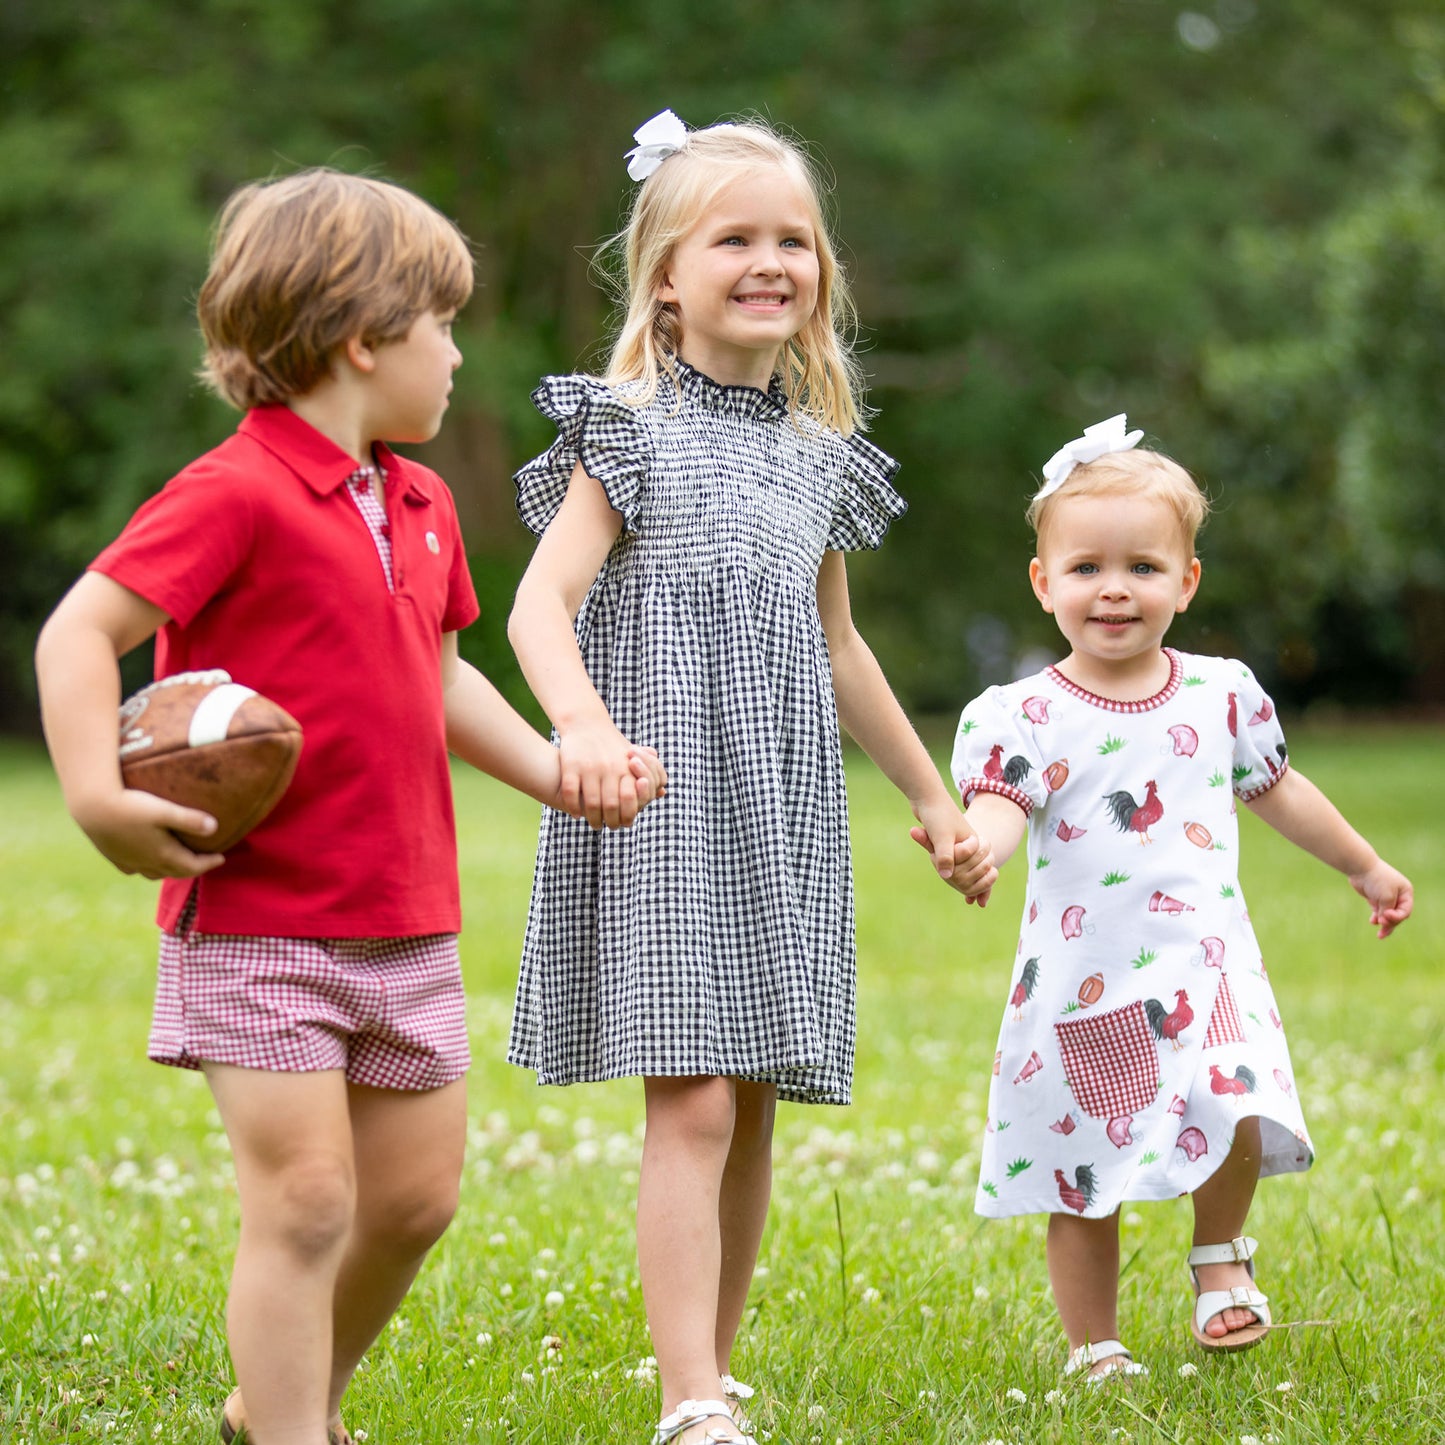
point(1114, 571)
point(744, 279)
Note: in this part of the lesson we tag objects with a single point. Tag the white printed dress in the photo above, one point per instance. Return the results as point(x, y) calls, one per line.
point(1140, 1025)
point(714, 936)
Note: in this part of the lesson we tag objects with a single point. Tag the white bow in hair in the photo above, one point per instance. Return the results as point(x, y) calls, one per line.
point(659, 138)
point(1098, 440)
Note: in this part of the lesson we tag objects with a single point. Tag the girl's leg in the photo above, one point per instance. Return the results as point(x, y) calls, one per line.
point(747, 1187)
point(1084, 1273)
point(1221, 1205)
point(408, 1148)
point(290, 1138)
point(679, 1242)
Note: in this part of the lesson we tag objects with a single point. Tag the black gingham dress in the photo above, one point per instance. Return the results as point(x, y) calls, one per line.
point(715, 936)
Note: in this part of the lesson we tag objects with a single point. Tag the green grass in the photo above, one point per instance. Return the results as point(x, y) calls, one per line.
point(884, 1309)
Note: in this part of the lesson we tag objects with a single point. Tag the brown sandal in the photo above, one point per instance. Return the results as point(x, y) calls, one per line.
point(236, 1434)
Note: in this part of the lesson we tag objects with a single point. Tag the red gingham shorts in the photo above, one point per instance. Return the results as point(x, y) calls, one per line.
point(389, 1012)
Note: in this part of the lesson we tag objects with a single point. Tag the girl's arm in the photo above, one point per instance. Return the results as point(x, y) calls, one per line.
point(600, 769)
point(870, 712)
point(1297, 809)
point(76, 664)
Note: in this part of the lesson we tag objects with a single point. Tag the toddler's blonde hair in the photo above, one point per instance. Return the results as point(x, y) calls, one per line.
point(818, 372)
point(302, 264)
point(1140, 472)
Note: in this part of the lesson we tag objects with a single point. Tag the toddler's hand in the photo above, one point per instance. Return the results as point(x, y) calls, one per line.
point(960, 857)
point(1388, 892)
point(133, 830)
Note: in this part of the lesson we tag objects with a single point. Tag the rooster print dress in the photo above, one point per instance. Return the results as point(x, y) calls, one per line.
point(1140, 1025)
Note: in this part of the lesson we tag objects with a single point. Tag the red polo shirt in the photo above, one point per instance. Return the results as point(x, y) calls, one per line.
point(266, 568)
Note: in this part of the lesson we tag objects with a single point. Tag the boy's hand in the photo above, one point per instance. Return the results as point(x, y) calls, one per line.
point(960, 857)
point(133, 830)
point(1388, 892)
point(650, 774)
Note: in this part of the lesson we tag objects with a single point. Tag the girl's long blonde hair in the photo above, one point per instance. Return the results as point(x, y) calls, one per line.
point(819, 375)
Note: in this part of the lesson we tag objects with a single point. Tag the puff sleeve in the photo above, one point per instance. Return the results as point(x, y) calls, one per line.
point(596, 427)
point(996, 751)
point(1260, 758)
point(866, 503)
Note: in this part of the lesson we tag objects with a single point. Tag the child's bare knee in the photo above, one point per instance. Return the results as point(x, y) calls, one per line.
point(310, 1207)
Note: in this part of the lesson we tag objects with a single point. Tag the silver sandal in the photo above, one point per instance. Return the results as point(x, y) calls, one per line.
point(696, 1412)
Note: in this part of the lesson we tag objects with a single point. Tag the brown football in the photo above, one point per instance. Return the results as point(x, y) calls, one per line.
point(206, 742)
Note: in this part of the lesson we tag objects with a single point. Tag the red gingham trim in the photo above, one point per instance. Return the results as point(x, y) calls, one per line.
point(363, 493)
point(1111, 1062)
point(1148, 704)
point(1224, 1023)
point(970, 786)
point(389, 1012)
point(1264, 787)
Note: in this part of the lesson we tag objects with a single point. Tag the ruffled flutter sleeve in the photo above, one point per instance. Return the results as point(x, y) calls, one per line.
point(596, 427)
point(996, 751)
point(867, 503)
point(1259, 751)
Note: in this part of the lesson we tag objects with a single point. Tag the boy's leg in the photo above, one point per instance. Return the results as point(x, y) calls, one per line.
point(290, 1137)
point(747, 1187)
point(1084, 1272)
point(679, 1247)
point(1221, 1206)
point(409, 1147)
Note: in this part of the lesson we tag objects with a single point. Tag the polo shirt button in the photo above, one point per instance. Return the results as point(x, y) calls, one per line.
point(432, 544)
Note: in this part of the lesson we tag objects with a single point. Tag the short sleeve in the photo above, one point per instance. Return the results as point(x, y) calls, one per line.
point(867, 503)
point(995, 751)
point(1260, 758)
point(596, 427)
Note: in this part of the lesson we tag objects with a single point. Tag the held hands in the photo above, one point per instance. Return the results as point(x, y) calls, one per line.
point(606, 779)
point(960, 857)
point(133, 830)
point(1388, 892)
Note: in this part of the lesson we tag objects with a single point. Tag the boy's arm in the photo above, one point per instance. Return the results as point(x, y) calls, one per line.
point(1297, 810)
point(97, 622)
point(872, 715)
point(600, 767)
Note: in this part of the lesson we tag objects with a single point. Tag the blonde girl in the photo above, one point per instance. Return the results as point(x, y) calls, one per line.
point(689, 593)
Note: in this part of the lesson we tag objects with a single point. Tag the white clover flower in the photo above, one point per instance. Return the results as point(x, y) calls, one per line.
point(505, 1291)
point(528, 1378)
point(87, 1340)
point(816, 1412)
point(1186, 1370)
point(1014, 1393)
point(871, 1296)
point(1054, 1397)
point(497, 1240)
point(980, 1293)
point(484, 1339)
point(555, 1299)
point(1284, 1387)
point(927, 1397)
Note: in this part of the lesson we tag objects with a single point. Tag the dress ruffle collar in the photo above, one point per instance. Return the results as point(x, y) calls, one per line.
point(695, 386)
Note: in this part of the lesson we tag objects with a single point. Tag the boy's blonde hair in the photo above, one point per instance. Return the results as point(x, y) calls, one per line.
point(302, 264)
point(1139, 472)
point(819, 375)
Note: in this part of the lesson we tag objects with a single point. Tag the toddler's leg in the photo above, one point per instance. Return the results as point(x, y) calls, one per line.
point(1084, 1273)
point(747, 1188)
point(409, 1148)
point(1221, 1205)
point(679, 1239)
point(291, 1140)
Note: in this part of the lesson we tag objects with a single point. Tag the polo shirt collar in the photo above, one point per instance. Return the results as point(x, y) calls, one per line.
point(315, 458)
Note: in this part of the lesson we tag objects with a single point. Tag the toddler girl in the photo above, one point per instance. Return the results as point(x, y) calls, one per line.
point(689, 593)
point(1141, 1054)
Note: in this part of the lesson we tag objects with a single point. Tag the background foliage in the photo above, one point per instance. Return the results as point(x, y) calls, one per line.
point(1226, 221)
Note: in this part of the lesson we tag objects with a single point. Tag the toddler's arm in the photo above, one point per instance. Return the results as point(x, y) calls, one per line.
point(599, 767)
point(999, 825)
point(1297, 809)
point(97, 622)
point(872, 715)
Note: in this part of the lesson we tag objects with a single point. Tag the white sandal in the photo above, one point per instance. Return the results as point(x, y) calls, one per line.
point(1120, 1361)
point(1209, 1303)
point(695, 1412)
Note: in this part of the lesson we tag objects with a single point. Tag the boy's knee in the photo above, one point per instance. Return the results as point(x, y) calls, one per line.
point(312, 1205)
point(409, 1222)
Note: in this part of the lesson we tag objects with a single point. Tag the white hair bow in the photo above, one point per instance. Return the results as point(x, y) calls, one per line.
point(1097, 441)
point(659, 138)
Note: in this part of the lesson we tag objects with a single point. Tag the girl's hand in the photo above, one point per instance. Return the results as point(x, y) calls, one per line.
point(605, 779)
point(133, 830)
point(960, 857)
point(1388, 892)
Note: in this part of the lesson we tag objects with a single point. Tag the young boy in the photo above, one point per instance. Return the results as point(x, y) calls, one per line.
point(312, 972)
